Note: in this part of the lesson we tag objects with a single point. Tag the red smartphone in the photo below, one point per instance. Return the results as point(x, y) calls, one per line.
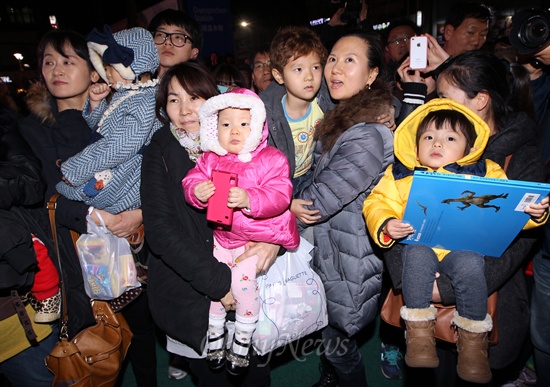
point(217, 210)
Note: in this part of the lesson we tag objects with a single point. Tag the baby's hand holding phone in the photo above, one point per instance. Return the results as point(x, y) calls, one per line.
point(238, 198)
point(218, 210)
point(204, 190)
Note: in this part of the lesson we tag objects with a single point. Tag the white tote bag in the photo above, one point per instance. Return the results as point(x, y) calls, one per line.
point(292, 301)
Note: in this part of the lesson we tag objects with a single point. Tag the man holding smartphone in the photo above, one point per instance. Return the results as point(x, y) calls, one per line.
point(466, 29)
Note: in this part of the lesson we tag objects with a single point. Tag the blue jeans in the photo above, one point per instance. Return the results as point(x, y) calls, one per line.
point(27, 368)
point(540, 318)
point(343, 353)
point(464, 268)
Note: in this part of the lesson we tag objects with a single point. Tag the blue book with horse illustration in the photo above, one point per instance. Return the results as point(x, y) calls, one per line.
point(464, 212)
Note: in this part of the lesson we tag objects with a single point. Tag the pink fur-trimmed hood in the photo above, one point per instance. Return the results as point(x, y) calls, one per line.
point(239, 98)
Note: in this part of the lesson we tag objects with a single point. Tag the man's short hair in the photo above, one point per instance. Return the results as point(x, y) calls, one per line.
point(469, 10)
point(399, 23)
point(181, 19)
point(263, 49)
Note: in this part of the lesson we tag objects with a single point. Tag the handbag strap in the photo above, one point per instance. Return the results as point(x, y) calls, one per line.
point(51, 206)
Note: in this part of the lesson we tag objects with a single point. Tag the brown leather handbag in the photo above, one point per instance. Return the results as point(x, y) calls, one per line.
point(94, 356)
point(444, 329)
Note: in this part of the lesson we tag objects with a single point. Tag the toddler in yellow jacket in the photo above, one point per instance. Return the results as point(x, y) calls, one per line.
point(446, 137)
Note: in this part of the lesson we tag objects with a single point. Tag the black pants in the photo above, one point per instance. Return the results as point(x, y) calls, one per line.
point(142, 352)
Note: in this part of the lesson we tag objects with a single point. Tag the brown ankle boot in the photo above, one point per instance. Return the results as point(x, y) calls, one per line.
point(473, 347)
point(419, 337)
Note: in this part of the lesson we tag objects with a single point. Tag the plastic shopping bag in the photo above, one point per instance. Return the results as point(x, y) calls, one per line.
point(292, 301)
point(107, 262)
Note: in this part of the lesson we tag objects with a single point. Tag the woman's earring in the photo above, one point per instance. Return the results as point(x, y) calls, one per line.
point(368, 86)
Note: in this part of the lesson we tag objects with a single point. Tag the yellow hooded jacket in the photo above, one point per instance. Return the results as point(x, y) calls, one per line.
point(389, 197)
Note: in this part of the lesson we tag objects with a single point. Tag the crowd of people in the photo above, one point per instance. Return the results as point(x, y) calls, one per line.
point(324, 131)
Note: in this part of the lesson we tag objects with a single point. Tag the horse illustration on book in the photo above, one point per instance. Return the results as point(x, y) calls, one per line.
point(480, 201)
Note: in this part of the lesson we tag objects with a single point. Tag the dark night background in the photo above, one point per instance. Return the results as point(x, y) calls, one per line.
point(24, 22)
point(83, 16)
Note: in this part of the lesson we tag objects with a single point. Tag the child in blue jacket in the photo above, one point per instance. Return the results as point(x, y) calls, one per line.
point(107, 173)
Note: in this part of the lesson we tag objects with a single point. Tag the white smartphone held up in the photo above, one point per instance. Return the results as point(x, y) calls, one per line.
point(419, 52)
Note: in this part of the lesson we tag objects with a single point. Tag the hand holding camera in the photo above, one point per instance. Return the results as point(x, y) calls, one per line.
point(530, 33)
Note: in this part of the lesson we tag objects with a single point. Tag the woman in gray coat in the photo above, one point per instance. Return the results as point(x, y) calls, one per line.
point(351, 154)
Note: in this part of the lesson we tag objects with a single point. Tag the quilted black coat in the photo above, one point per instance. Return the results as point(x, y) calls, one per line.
point(183, 275)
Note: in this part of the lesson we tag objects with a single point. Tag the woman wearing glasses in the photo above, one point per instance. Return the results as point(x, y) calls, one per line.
point(178, 38)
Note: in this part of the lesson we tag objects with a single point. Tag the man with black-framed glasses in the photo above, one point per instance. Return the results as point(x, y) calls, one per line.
point(178, 38)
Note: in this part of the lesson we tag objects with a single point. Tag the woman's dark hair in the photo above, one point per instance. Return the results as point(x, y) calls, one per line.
point(195, 79)
point(59, 40)
point(228, 75)
point(457, 121)
point(521, 96)
point(481, 71)
point(375, 55)
point(366, 105)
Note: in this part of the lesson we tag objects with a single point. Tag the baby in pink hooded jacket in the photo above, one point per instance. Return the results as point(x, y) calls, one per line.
point(233, 135)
